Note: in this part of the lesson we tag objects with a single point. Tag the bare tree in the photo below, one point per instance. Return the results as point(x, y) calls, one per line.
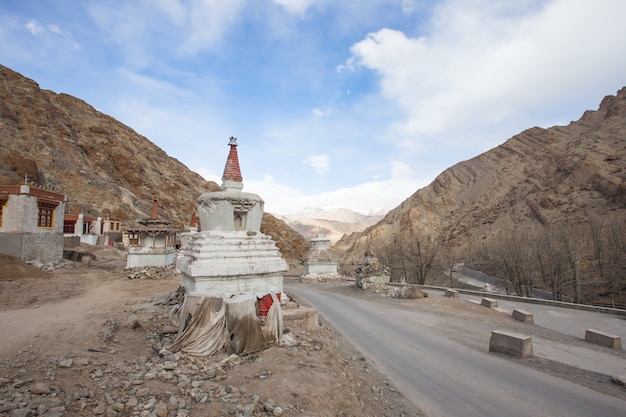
point(389, 256)
point(448, 263)
point(551, 263)
point(419, 257)
point(616, 260)
point(574, 245)
point(596, 227)
point(513, 256)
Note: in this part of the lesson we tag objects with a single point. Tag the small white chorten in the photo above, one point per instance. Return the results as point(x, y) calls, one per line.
point(321, 261)
point(230, 255)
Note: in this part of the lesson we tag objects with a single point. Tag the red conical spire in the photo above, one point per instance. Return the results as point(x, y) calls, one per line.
point(194, 220)
point(232, 174)
point(231, 170)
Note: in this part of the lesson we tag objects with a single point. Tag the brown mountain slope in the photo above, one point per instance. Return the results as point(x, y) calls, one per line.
point(102, 165)
point(540, 177)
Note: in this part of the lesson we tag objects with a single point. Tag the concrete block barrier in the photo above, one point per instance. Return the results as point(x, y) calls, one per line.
point(489, 302)
point(301, 318)
point(523, 316)
point(602, 338)
point(512, 344)
point(452, 293)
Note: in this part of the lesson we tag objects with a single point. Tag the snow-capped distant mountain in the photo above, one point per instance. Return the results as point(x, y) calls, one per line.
point(333, 223)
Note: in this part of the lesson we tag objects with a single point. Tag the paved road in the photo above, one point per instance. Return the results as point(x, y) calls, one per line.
point(570, 322)
point(565, 320)
point(446, 378)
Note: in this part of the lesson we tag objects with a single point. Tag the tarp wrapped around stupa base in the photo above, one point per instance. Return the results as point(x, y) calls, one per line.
point(210, 324)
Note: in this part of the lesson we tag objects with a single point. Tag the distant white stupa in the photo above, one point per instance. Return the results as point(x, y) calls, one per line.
point(230, 255)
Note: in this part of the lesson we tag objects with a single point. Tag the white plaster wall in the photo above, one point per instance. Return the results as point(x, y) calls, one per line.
point(186, 239)
point(20, 214)
point(23, 238)
point(319, 244)
point(321, 268)
point(89, 239)
point(139, 259)
point(215, 286)
point(217, 262)
point(216, 210)
point(152, 241)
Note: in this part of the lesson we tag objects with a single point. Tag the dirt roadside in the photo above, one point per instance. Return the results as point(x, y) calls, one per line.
point(84, 341)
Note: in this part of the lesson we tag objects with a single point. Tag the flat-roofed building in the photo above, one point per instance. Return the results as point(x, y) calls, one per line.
point(31, 222)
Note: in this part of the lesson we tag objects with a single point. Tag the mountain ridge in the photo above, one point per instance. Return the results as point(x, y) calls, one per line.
point(539, 177)
point(104, 166)
point(333, 223)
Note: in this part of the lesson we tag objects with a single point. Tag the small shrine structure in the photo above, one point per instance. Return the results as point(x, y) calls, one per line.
point(370, 273)
point(152, 242)
point(232, 274)
point(321, 261)
point(31, 222)
point(230, 255)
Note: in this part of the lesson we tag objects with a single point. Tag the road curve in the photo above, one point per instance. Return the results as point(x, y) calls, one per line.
point(445, 378)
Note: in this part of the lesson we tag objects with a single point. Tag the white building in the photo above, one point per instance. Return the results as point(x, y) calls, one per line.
point(31, 223)
point(152, 242)
point(92, 230)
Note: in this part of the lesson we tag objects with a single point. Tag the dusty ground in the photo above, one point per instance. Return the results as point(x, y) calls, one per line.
point(88, 338)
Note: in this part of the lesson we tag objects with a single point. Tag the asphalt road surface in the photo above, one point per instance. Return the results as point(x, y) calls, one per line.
point(445, 378)
point(566, 320)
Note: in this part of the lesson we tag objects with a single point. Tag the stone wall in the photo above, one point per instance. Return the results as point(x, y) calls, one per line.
point(22, 237)
point(11, 244)
point(45, 247)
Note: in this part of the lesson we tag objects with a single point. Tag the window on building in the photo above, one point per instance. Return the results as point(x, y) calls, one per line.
point(46, 213)
point(2, 203)
point(133, 239)
point(68, 226)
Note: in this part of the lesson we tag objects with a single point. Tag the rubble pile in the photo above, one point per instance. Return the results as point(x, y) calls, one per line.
point(133, 388)
point(406, 291)
point(47, 266)
point(371, 274)
point(153, 272)
point(163, 385)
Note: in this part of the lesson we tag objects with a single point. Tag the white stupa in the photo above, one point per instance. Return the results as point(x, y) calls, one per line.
point(230, 255)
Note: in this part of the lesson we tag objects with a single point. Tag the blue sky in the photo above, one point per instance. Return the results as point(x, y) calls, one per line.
point(350, 104)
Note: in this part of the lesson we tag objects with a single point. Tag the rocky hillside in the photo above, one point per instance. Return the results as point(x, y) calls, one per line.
point(101, 164)
point(538, 178)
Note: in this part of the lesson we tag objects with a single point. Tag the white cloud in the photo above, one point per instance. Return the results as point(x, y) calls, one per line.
point(363, 198)
point(320, 163)
point(34, 27)
point(480, 68)
point(297, 7)
point(44, 31)
point(208, 20)
point(180, 27)
point(317, 113)
point(401, 171)
point(400, 183)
